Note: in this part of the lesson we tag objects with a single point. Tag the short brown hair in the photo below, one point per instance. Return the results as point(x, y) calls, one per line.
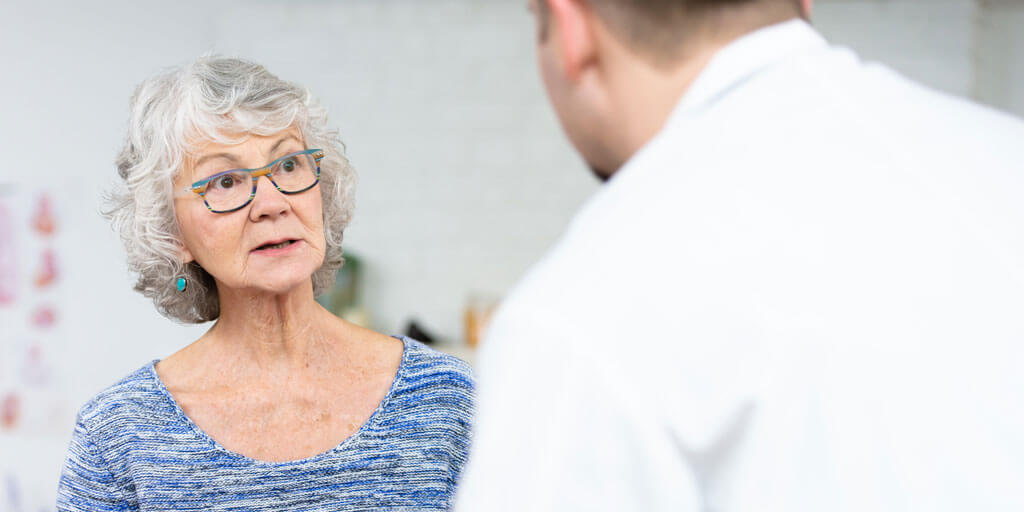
point(661, 29)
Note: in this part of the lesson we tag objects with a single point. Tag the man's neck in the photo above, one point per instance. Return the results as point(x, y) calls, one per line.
point(644, 93)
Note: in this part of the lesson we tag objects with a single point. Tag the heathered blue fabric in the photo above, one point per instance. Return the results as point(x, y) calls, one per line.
point(134, 449)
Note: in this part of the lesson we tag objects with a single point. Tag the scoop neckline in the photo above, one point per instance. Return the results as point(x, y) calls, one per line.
point(370, 422)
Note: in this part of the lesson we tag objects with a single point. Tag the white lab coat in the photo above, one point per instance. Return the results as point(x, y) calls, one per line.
point(806, 293)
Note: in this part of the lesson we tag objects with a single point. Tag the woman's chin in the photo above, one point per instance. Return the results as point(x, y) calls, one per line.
point(279, 286)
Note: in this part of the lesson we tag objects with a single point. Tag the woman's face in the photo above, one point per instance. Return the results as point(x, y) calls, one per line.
point(236, 247)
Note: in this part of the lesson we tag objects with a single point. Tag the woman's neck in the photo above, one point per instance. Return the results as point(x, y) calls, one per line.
point(272, 332)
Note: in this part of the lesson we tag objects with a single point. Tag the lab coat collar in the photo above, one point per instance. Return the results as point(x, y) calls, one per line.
point(745, 57)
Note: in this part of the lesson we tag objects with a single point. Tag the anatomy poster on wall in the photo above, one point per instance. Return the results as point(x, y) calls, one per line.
point(32, 409)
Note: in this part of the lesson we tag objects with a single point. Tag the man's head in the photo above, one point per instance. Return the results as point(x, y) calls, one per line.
point(614, 69)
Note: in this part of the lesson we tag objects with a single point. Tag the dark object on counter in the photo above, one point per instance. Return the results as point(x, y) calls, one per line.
point(416, 332)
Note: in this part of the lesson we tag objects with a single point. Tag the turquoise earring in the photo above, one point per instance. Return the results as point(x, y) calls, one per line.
point(181, 284)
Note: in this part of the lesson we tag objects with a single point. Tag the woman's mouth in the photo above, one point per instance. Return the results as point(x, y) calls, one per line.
point(286, 243)
point(275, 247)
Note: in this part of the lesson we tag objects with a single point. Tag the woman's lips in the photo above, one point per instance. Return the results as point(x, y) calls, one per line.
point(277, 249)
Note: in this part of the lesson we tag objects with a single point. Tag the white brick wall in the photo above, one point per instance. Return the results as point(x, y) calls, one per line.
point(927, 40)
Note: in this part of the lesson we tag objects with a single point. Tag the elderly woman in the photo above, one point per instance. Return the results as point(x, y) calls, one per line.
point(235, 198)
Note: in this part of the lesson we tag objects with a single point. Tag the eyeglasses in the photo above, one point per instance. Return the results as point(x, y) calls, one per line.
point(227, 191)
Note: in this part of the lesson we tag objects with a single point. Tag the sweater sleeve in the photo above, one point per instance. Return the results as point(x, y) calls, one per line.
point(86, 482)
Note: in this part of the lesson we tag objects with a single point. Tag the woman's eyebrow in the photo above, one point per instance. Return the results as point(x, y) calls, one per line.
point(204, 158)
point(280, 141)
point(233, 158)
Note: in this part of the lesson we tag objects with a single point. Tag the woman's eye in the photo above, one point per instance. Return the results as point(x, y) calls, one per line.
point(225, 182)
point(289, 165)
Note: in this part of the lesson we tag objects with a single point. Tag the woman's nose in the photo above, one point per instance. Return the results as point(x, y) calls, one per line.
point(268, 202)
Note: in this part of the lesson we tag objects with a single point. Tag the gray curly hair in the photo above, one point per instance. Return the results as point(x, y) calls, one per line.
point(210, 100)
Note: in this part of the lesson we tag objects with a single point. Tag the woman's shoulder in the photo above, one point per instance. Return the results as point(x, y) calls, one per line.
point(424, 363)
point(139, 396)
point(429, 377)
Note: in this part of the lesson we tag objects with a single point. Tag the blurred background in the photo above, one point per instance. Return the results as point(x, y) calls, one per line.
point(464, 175)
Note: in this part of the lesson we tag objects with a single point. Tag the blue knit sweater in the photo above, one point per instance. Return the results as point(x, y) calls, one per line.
point(134, 449)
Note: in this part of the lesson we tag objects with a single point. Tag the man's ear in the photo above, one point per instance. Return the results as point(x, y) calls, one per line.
point(807, 6)
point(569, 24)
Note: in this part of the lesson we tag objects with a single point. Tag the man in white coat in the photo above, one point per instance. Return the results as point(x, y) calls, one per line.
point(801, 288)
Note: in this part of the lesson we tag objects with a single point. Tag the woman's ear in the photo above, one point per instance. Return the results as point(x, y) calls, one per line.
point(570, 31)
point(185, 255)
